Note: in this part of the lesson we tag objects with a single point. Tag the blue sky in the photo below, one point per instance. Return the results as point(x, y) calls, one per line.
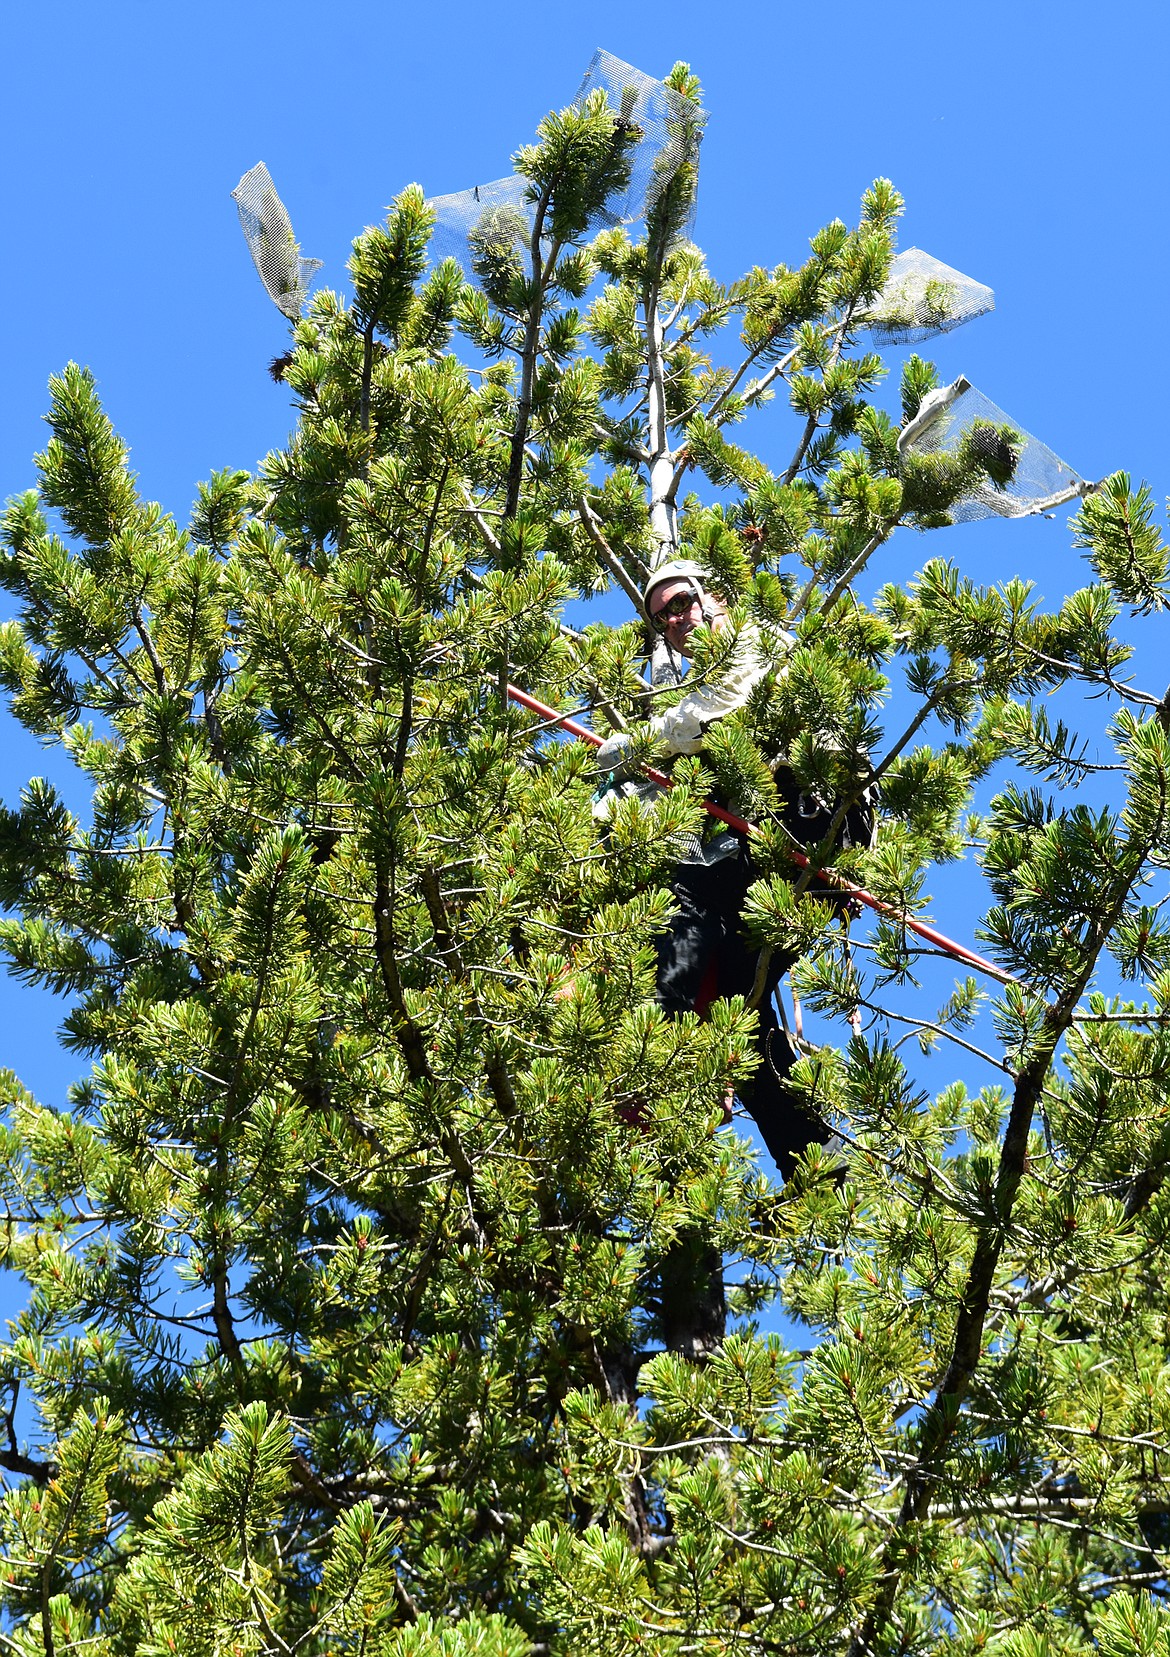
point(1029, 139)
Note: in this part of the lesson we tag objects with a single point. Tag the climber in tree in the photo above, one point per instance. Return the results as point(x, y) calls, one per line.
point(704, 952)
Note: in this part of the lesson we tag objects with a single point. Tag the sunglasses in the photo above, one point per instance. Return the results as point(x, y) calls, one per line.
point(672, 610)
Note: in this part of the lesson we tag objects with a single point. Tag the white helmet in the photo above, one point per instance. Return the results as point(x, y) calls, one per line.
point(678, 569)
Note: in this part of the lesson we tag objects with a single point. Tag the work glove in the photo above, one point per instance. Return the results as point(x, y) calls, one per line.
point(613, 758)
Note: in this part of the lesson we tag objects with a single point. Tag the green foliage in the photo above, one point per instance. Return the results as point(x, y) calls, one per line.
point(203, 1578)
point(83, 468)
point(1122, 544)
point(386, 264)
point(391, 1285)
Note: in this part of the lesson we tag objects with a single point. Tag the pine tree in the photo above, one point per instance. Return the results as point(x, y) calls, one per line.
point(369, 1271)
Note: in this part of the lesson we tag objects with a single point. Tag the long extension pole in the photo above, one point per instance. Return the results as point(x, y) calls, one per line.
point(929, 934)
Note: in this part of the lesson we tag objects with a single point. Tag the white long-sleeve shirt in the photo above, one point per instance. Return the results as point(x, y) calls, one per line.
point(679, 730)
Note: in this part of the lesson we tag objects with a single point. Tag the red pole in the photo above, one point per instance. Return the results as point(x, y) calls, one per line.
point(959, 952)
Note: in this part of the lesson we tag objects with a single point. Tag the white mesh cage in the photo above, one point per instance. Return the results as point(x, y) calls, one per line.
point(671, 131)
point(469, 224)
point(269, 235)
point(1040, 479)
point(923, 297)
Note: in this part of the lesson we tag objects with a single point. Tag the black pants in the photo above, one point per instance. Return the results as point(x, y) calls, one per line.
point(704, 954)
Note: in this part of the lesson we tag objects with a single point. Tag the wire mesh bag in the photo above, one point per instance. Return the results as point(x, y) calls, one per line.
point(269, 235)
point(671, 131)
point(923, 297)
point(1039, 481)
point(494, 221)
point(486, 222)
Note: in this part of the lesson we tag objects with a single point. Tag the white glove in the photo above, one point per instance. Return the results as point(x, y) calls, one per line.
point(612, 759)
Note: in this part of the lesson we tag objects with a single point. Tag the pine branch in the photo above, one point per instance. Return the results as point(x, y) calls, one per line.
point(934, 1028)
point(610, 558)
point(858, 565)
point(945, 687)
point(40, 1472)
point(406, 1031)
point(541, 275)
point(777, 371)
point(942, 1415)
point(630, 451)
point(367, 373)
point(50, 1559)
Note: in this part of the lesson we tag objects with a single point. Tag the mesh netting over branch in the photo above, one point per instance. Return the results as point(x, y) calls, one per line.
point(493, 219)
point(482, 223)
point(923, 297)
point(269, 235)
point(671, 126)
point(1039, 480)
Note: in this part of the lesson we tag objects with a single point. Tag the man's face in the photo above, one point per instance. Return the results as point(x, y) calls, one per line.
point(676, 611)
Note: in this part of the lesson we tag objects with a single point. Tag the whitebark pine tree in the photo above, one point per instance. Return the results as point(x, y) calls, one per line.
point(365, 1269)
